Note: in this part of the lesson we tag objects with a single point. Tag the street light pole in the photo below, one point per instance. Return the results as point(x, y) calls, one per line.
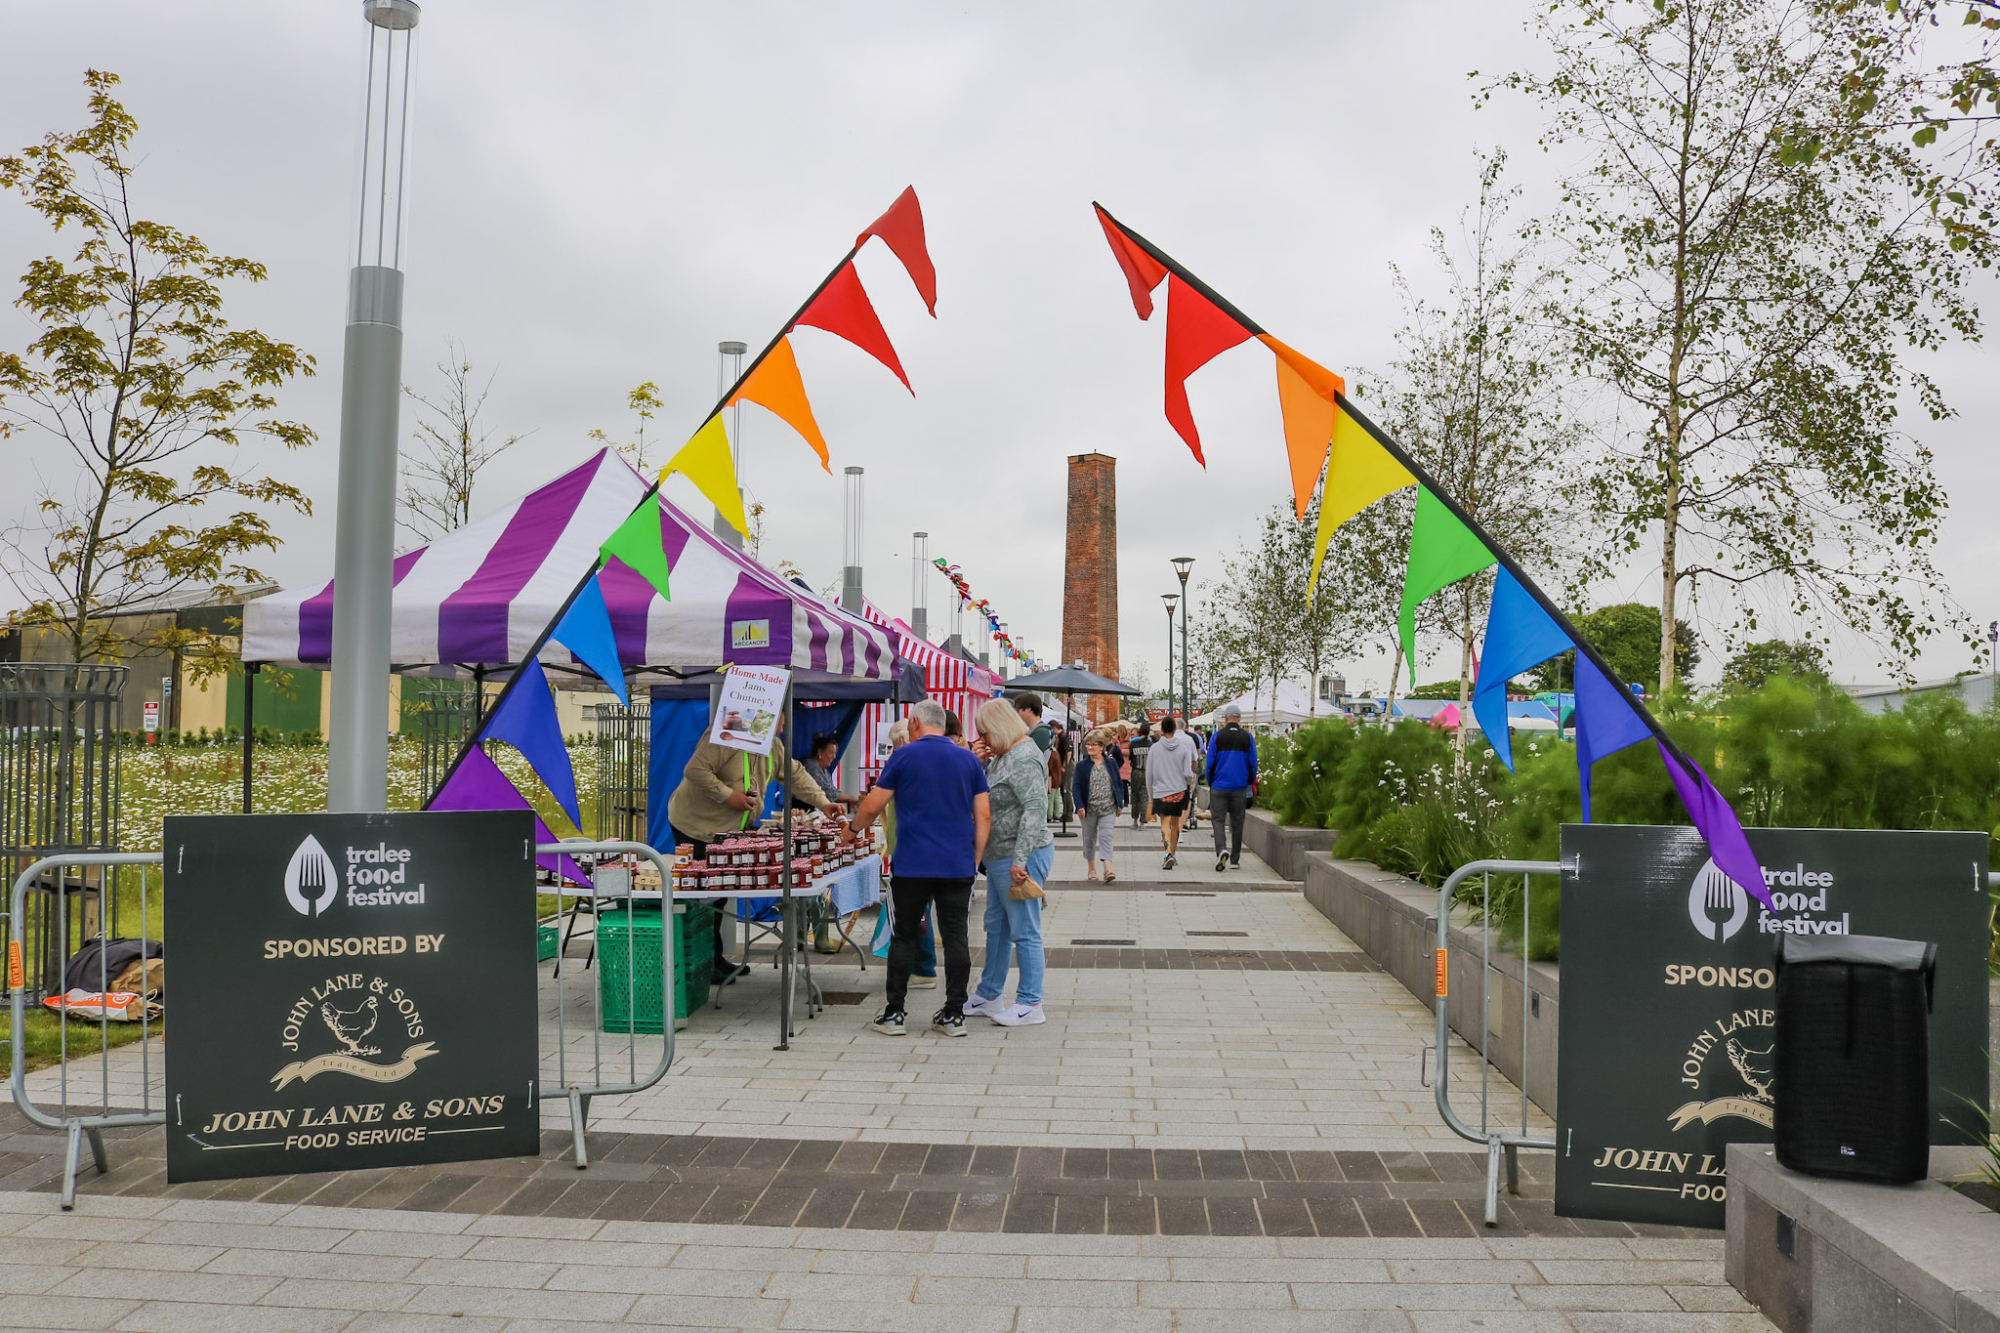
point(1182, 564)
point(1170, 598)
point(371, 381)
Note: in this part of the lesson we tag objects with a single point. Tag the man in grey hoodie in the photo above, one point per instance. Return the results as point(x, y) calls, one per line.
point(1169, 777)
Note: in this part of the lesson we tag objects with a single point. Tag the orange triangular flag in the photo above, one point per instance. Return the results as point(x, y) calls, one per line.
point(775, 386)
point(1323, 381)
point(1308, 428)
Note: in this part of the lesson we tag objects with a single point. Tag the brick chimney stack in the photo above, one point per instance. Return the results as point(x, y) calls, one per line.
point(1090, 576)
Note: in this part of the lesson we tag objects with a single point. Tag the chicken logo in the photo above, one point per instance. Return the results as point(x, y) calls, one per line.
point(1731, 1069)
point(311, 878)
point(352, 1007)
point(350, 1027)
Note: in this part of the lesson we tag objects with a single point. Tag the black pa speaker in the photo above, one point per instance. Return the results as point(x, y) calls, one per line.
point(1853, 1056)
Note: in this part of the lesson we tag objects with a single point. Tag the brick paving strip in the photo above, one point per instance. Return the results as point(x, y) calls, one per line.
point(212, 1265)
point(891, 1187)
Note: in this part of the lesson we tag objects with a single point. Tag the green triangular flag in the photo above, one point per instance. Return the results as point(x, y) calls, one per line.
point(637, 542)
point(1442, 551)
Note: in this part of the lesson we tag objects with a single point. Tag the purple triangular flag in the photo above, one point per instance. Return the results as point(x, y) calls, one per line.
point(480, 785)
point(1716, 821)
point(1607, 720)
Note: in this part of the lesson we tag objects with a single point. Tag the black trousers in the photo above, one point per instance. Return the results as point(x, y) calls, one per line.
point(910, 896)
point(1228, 807)
point(721, 917)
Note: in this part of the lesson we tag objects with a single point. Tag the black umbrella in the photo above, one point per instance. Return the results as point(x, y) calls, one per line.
point(1067, 681)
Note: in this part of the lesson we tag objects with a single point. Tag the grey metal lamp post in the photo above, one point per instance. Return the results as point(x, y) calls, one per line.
point(371, 377)
point(729, 356)
point(920, 571)
point(1182, 564)
point(1170, 598)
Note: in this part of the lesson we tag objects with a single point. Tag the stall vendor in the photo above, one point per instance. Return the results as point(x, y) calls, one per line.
point(722, 791)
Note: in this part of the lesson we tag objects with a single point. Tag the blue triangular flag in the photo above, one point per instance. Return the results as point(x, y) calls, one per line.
point(585, 630)
point(527, 721)
point(1519, 634)
point(1607, 720)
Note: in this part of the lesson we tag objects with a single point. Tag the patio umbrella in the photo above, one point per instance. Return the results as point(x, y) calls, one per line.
point(1068, 681)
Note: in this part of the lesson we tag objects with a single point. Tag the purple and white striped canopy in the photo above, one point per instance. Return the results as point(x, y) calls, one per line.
point(480, 596)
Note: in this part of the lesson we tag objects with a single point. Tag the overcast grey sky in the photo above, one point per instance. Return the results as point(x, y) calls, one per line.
point(604, 190)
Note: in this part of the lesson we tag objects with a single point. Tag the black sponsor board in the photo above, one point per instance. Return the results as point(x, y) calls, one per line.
point(1667, 1021)
point(349, 991)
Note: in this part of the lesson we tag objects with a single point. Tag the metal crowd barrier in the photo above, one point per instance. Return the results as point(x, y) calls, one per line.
point(1501, 1145)
point(82, 1119)
point(579, 1090)
point(93, 1093)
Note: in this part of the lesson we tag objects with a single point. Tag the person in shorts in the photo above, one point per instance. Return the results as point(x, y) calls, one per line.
point(1170, 776)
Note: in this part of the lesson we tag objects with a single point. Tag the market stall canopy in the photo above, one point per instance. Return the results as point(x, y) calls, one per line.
point(1067, 680)
point(1290, 704)
point(476, 599)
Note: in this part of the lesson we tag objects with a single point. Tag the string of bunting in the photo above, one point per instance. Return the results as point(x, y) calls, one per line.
point(985, 609)
point(1334, 449)
point(524, 716)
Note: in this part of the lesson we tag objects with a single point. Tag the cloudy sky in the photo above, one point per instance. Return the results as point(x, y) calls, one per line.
point(604, 190)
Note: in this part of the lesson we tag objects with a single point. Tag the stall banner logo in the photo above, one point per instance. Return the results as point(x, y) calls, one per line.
point(311, 878)
point(351, 1008)
point(749, 634)
point(1734, 1056)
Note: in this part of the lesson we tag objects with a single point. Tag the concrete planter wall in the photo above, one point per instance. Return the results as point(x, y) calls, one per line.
point(1840, 1256)
point(1283, 847)
point(1393, 918)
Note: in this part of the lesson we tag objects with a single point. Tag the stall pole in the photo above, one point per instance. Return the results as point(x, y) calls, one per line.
point(250, 670)
point(788, 934)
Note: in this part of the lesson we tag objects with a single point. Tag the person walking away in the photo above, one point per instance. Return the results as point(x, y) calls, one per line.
point(1065, 755)
point(1232, 767)
point(1141, 795)
point(1200, 743)
point(1170, 773)
point(722, 791)
point(943, 817)
point(924, 974)
point(1020, 852)
point(1095, 790)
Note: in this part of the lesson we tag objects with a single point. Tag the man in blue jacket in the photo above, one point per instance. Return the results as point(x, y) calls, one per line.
point(1232, 768)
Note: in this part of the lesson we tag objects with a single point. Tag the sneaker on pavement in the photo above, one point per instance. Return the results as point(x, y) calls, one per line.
point(951, 1025)
point(1019, 1015)
point(979, 1004)
point(923, 983)
point(1222, 863)
point(1166, 863)
point(890, 1023)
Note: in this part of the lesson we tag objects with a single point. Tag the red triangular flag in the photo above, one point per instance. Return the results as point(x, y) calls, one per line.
point(1142, 271)
point(843, 308)
point(1196, 332)
point(902, 230)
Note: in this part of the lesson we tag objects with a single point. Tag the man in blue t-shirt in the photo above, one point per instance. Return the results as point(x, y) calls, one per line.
point(942, 819)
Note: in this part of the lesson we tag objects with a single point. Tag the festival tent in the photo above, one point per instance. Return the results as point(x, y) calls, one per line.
point(956, 684)
point(474, 601)
point(1290, 705)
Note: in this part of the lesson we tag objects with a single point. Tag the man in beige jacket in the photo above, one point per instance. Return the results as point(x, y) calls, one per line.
point(721, 791)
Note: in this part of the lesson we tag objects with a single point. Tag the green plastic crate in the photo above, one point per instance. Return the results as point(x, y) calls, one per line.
point(548, 934)
point(629, 941)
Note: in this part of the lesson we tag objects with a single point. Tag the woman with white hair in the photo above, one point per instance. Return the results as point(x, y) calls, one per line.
point(1020, 852)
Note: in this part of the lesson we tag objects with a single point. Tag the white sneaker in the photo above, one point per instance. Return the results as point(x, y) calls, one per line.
point(979, 1004)
point(923, 983)
point(1018, 1015)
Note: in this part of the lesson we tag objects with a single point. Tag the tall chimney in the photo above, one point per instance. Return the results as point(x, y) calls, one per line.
point(1090, 575)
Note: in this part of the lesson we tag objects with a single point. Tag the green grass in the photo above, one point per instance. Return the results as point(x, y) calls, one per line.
point(45, 1037)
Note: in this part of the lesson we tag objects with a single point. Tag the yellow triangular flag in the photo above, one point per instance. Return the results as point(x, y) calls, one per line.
point(704, 460)
point(1359, 471)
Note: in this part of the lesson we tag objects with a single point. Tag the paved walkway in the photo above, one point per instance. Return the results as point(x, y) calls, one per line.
point(1221, 1126)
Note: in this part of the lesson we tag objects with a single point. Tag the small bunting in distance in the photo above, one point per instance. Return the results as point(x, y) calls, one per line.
point(705, 461)
point(1442, 551)
point(776, 387)
point(902, 230)
point(639, 546)
point(842, 308)
point(526, 719)
point(1519, 635)
point(586, 631)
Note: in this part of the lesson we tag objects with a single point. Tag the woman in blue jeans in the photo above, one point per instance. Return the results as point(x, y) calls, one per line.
point(1020, 852)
